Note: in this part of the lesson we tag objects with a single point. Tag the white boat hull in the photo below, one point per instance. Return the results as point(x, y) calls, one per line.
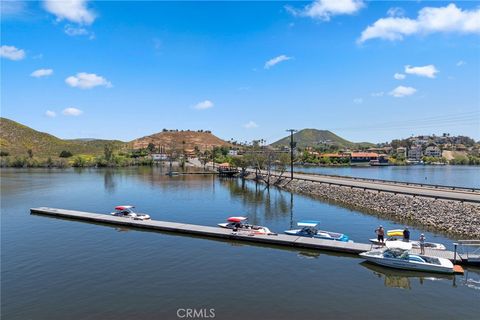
point(409, 265)
point(249, 228)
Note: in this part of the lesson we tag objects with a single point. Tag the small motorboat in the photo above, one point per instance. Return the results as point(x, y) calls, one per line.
point(238, 223)
point(309, 229)
point(403, 279)
point(397, 255)
point(127, 212)
point(392, 235)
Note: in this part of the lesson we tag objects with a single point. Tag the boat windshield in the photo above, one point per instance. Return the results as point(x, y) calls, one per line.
point(309, 230)
point(395, 253)
point(125, 211)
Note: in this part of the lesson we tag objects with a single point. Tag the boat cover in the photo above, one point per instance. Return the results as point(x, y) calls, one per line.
point(236, 219)
point(123, 207)
point(308, 223)
point(398, 245)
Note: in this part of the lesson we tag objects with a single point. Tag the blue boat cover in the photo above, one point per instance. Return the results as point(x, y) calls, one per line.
point(308, 223)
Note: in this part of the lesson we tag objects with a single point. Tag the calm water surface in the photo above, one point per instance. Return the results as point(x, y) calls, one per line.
point(56, 269)
point(462, 176)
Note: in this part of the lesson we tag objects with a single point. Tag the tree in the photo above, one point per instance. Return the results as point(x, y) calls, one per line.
point(151, 147)
point(65, 154)
point(4, 153)
point(241, 162)
point(49, 162)
point(108, 152)
point(30, 153)
point(205, 157)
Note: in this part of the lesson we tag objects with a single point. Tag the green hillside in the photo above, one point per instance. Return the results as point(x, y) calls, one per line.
point(316, 138)
point(17, 139)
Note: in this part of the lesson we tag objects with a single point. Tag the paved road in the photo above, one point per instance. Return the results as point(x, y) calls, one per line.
point(460, 195)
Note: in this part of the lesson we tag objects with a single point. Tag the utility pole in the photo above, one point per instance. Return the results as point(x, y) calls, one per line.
point(292, 145)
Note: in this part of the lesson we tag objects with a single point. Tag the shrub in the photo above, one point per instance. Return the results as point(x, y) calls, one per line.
point(65, 154)
point(19, 162)
point(83, 161)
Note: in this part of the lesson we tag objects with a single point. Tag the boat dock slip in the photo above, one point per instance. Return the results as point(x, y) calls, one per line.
point(412, 189)
point(216, 232)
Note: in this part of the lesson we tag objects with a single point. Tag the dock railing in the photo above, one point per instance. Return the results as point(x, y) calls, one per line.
point(462, 248)
point(396, 182)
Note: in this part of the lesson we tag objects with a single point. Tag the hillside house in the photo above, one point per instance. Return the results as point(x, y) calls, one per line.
point(415, 153)
point(433, 151)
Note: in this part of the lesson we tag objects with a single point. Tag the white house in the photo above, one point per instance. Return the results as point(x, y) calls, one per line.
point(433, 151)
point(159, 156)
point(415, 153)
point(233, 152)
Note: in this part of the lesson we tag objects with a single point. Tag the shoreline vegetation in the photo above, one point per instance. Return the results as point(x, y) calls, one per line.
point(22, 146)
point(144, 158)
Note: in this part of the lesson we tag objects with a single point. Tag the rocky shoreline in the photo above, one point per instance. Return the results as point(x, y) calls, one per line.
point(452, 217)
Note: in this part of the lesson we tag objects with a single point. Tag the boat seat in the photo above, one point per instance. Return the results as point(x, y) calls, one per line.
point(416, 258)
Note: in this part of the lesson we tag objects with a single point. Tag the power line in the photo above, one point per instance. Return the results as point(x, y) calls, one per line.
point(452, 119)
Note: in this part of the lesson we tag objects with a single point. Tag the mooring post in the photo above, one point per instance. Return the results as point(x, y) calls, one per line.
point(292, 145)
point(455, 252)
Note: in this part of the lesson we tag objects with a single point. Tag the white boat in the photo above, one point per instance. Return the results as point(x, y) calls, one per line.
point(393, 234)
point(309, 228)
point(397, 255)
point(238, 223)
point(127, 212)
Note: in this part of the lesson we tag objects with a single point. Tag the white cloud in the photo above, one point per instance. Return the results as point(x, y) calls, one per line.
point(73, 31)
point(41, 73)
point(72, 112)
point(12, 53)
point(428, 71)
point(429, 20)
point(12, 8)
point(270, 63)
point(250, 125)
point(358, 100)
point(50, 114)
point(396, 12)
point(399, 76)
point(207, 104)
point(401, 91)
point(325, 9)
point(460, 63)
point(377, 94)
point(71, 10)
point(84, 80)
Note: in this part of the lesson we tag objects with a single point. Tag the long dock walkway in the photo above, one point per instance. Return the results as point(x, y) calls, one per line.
point(216, 232)
point(422, 190)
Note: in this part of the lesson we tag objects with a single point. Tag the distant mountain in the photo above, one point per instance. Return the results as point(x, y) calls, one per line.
point(184, 139)
point(314, 138)
point(17, 139)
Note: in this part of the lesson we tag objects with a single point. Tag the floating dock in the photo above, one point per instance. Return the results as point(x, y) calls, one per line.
point(216, 232)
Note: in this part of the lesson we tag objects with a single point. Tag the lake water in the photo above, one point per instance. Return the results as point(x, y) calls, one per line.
point(56, 269)
point(462, 176)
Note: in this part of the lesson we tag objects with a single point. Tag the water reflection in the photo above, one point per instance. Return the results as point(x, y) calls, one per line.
point(309, 254)
point(122, 229)
point(404, 279)
point(108, 181)
point(260, 199)
point(472, 279)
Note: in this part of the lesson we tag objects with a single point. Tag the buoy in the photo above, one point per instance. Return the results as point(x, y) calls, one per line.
point(458, 269)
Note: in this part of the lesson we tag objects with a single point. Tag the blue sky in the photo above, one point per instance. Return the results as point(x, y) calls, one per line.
point(245, 70)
